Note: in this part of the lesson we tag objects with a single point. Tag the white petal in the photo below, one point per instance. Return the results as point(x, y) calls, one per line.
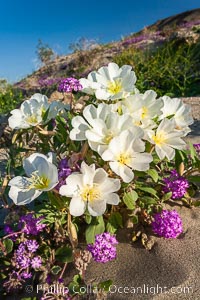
point(29, 163)
point(122, 170)
point(16, 121)
point(112, 199)
point(110, 185)
point(22, 197)
point(74, 183)
point(141, 161)
point(97, 208)
point(20, 182)
point(77, 207)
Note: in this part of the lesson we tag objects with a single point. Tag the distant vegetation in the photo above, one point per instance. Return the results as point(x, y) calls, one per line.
point(9, 96)
point(172, 68)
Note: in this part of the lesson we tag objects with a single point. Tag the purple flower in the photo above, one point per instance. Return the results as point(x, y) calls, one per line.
point(45, 81)
point(176, 184)
point(32, 245)
point(36, 262)
point(103, 249)
point(167, 224)
point(23, 261)
point(21, 249)
point(197, 148)
point(63, 172)
point(30, 224)
point(26, 275)
point(68, 85)
point(8, 229)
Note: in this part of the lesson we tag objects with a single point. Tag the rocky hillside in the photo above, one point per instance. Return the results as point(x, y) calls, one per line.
point(182, 26)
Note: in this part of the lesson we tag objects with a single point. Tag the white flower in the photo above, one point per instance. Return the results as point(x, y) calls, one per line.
point(91, 189)
point(166, 138)
point(125, 153)
point(30, 113)
point(90, 84)
point(142, 107)
point(111, 82)
point(99, 126)
point(42, 176)
point(181, 113)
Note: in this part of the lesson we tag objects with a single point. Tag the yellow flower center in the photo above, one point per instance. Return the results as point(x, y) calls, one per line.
point(144, 112)
point(123, 158)
point(90, 194)
point(38, 182)
point(114, 87)
point(108, 137)
point(32, 119)
point(159, 138)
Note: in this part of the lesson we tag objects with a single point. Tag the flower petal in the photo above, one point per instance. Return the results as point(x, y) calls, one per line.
point(77, 207)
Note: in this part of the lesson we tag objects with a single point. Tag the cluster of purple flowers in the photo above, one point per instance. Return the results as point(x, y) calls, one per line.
point(31, 225)
point(63, 172)
point(144, 37)
point(25, 257)
point(68, 85)
point(167, 224)
point(103, 249)
point(45, 81)
point(176, 184)
point(190, 24)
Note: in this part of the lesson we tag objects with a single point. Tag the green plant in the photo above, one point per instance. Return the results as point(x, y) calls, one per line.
point(172, 68)
point(9, 97)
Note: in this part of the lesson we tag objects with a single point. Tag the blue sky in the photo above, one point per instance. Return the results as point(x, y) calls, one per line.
point(61, 22)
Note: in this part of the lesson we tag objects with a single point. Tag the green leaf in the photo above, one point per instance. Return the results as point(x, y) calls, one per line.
point(55, 200)
point(135, 219)
point(29, 298)
point(97, 226)
point(74, 286)
point(88, 219)
point(194, 178)
point(154, 174)
point(8, 244)
point(148, 190)
point(192, 151)
point(105, 285)
point(148, 200)
point(129, 199)
point(114, 222)
point(179, 158)
point(196, 203)
point(55, 270)
point(64, 254)
point(166, 196)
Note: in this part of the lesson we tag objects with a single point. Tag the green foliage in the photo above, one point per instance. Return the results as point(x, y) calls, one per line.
point(97, 226)
point(64, 254)
point(172, 68)
point(55, 270)
point(114, 222)
point(129, 199)
point(9, 97)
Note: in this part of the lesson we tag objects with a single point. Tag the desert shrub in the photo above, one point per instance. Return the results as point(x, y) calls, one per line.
point(9, 97)
point(171, 68)
point(44, 53)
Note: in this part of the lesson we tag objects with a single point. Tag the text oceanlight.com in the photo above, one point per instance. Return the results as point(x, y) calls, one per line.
point(147, 289)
